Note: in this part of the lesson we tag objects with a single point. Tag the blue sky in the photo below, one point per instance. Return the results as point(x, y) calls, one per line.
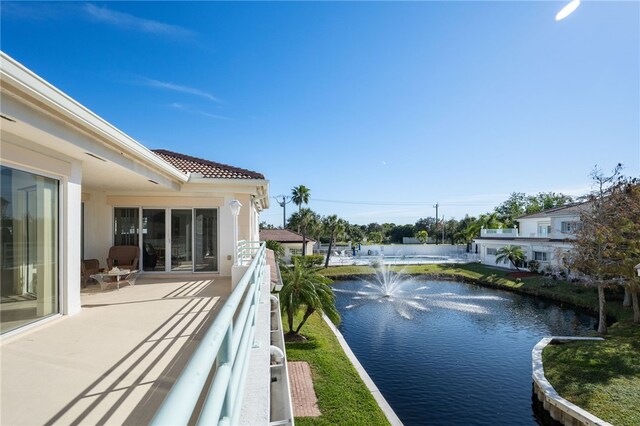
point(382, 109)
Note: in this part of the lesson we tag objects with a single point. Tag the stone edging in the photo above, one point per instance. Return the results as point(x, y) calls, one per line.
point(382, 403)
point(559, 408)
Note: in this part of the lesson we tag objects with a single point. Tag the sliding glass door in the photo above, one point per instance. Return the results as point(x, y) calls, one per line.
point(170, 240)
point(29, 255)
point(206, 240)
point(153, 240)
point(181, 240)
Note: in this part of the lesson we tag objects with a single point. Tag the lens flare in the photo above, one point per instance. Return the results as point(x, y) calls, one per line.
point(567, 10)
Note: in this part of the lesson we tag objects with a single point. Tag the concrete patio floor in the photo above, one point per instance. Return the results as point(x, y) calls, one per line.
point(114, 361)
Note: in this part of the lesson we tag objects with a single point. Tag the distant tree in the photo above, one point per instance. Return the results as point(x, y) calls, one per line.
point(624, 205)
point(596, 251)
point(520, 204)
point(468, 229)
point(374, 227)
point(513, 254)
point(422, 236)
point(512, 208)
point(374, 237)
point(490, 221)
point(300, 195)
point(426, 224)
point(304, 288)
point(355, 233)
point(399, 232)
point(333, 226)
point(265, 225)
point(450, 230)
point(387, 229)
point(545, 201)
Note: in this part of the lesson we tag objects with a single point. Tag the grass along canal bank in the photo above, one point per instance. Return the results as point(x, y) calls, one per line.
point(601, 377)
point(343, 398)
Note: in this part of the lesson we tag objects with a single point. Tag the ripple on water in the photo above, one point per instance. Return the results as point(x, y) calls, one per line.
point(445, 353)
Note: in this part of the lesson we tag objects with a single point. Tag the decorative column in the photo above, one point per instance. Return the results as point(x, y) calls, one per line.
point(235, 205)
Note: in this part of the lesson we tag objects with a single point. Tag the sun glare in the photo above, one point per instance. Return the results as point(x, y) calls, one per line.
point(567, 10)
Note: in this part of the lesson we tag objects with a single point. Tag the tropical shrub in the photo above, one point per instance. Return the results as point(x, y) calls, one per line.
point(513, 254)
point(305, 289)
point(534, 266)
point(308, 261)
point(278, 249)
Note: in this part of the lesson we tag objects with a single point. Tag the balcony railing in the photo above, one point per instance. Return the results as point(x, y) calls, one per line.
point(506, 232)
point(224, 350)
point(247, 250)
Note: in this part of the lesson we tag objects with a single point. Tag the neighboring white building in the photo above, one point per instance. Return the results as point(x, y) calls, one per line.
point(543, 236)
point(291, 242)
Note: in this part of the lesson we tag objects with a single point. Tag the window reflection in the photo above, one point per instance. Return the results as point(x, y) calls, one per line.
point(29, 258)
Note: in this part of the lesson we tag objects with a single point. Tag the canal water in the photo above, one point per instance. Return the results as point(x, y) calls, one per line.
point(448, 353)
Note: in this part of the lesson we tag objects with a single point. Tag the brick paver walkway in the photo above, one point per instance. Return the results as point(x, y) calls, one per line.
point(305, 403)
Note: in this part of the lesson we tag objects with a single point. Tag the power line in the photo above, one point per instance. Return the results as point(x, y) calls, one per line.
point(405, 203)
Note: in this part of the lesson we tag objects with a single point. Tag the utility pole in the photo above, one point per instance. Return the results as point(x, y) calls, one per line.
point(436, 234)
point(442, 229)
point(285, 200)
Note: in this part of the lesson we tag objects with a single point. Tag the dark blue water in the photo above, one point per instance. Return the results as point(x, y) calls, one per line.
point(446, 353)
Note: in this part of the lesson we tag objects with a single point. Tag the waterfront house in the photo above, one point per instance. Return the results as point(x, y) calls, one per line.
point(545, 237)
point(73, 186)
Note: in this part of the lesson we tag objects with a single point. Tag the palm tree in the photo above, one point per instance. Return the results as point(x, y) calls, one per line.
point(304, 288)
point(511, 253)
point(300, 195)
point(422, 236)
point(489, 221)
point(333, 227)
point(468, 233)
point(306, 222)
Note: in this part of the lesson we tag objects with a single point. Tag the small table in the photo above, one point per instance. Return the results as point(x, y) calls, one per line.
point(124, 275)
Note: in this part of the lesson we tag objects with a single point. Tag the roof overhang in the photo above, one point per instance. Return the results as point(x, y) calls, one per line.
point(36, 110)
point(258, 188)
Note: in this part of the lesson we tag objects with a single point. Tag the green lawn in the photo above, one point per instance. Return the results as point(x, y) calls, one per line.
point(601, 377)
point(342, 396)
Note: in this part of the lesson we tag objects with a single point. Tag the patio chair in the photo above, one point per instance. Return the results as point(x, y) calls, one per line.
point(88, 267)
point(124, 257)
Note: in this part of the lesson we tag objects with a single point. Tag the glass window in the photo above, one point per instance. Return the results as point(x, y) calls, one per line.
point(492, 251)
point(125, 226)
point(206, 240)
point(540, 256)
point(571, 227)
point(153, 239)
point(29, 255)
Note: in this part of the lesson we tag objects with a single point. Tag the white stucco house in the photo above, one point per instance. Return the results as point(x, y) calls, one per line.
point(291, 241)
point(72, 187)
point(93, 187)
point(543, 236)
